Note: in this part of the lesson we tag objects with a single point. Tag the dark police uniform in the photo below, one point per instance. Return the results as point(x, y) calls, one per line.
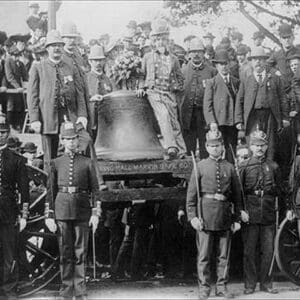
point(261, 181)
point(72, 180)
point(219, 190)
point(13, 181)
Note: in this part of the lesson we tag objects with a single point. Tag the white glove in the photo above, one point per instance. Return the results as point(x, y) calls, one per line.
point(235, 227)
point(50, 223)
point(244, 216)
point(239, 126)
point(197, 224)
point(293, 113)
point(83, 121)
point(94, 221)
point(3, 89)
point(36, 126)
point(22, 223)
point(180, 214)
point(290, 215)
point(286, 123)
point(103, 187)
point(213, 126)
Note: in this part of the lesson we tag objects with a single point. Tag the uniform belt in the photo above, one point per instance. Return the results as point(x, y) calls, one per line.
point(216, 196)
point(71, 189)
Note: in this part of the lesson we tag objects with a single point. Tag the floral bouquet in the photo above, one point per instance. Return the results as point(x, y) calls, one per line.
point(127, 68)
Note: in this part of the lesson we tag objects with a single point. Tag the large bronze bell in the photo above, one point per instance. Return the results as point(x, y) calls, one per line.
point(126, 128)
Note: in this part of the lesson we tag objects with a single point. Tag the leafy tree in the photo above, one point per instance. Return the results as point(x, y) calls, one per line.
point(184, 11)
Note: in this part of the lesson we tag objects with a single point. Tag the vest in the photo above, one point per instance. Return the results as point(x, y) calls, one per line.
point(261, 100)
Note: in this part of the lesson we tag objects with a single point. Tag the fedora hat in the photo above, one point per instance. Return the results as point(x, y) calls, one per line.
point(96, 52)
point(221, 57)
point(196, 45)
point(258, 52)
point(160, 27)
point(53, 37)
point(69, 29)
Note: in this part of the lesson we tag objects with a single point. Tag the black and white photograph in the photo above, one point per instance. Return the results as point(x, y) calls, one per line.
point(149, 149)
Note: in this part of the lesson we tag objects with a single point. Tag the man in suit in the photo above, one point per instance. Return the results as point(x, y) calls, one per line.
point(195, 73)
point(245, 68)
point(219, 102)
point(73, 191)
point(13, 180)
point(54, 91)
point(261, 101)
point(98, 83)
point(210, 213)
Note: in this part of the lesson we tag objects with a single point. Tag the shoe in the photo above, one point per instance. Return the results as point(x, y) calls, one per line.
point(269, 290)
point(248, 291)
point(224, 294)
point(172, 153)
point(204, 294)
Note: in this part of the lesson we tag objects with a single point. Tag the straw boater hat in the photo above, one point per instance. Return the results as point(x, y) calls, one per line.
point(96, 52)
point(258, 52)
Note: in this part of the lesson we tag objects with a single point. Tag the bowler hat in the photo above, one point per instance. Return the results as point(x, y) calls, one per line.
point(209, 35)
point(29, 147)
point(214, 137)
point(242, 50)
point(258, 34)
point(69, 29)
point(221, 57)
point(53, 37)
point(68, 130)
point(258, 137)
point(285, 30)
point(258, 52)
point(96, 52)
point(160, 27)
point(196, 45)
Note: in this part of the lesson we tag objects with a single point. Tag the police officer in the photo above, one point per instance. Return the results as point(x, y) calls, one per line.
point(13, 180)
point(261, 180)
point(73, 187)
point(215, 181)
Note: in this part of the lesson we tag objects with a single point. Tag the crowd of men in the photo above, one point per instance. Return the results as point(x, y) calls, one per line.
point(216, 102)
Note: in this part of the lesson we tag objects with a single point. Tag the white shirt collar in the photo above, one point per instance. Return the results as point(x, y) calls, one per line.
point(3, 147)
point(225, 76)
point(97, 73)
point(55, 61)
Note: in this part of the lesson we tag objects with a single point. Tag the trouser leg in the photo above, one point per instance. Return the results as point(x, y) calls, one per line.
point(81, 231)
point(204, 242)
point(163, 118)
point(66, 249)
point(250, 234)
point(50, 146)
point(8, 236)
point(224, 238)
point(201, 132)
point(267, 234)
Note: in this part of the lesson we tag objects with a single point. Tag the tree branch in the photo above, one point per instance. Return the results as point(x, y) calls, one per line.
point(258, 25)
point(262, 9)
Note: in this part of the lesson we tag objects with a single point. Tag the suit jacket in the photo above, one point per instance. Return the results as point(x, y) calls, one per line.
point(276, 98)
point(15, 73)
point(219, 105)
point(75, 206)
point(186, 109)
point(175, 75)
point(13, 174)
point(97, 84)
point(41, 100)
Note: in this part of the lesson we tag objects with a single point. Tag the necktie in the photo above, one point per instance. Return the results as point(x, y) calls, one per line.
point(259, 78)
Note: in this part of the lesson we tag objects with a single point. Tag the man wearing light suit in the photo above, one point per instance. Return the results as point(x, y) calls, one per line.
point(219, 102)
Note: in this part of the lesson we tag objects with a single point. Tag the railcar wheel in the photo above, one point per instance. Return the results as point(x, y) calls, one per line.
point(287, 247)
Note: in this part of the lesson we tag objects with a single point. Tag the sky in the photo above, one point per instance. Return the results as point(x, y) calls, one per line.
point(94, 18)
